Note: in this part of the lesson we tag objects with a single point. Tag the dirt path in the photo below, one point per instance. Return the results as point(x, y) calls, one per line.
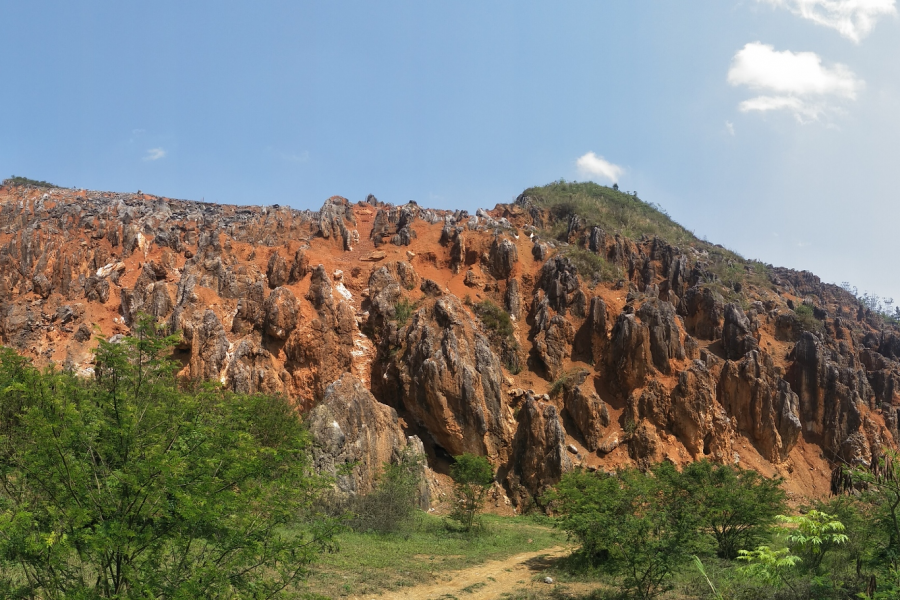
point(486, 581)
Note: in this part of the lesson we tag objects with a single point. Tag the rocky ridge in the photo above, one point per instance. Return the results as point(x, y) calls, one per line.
point(367, 316)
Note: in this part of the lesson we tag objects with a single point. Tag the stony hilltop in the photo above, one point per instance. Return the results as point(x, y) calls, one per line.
point(577, 326)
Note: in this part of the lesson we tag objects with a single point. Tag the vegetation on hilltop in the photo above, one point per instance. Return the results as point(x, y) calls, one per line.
point(608, 208)
point(617, 212)
point(16, 180)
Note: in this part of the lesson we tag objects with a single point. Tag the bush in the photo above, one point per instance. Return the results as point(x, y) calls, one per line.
point(391, 506)
point(403, 311)
point(472, 478)
point(805, 318)
point(495, 319)
point(127, 486)
point(641, 526)
point(591, 266)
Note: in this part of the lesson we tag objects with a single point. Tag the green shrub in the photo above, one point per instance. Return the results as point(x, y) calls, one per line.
point(403, 310)
point(737, 506)
point(806, 318)
point(564, 381)
point(495, 319)
point(391, 506)
point(472, 478)
point(592, 267)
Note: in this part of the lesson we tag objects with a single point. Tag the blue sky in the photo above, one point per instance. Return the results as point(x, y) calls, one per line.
point(770, 126)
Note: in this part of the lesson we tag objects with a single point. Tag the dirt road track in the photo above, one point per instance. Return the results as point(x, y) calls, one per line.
point(487, 581)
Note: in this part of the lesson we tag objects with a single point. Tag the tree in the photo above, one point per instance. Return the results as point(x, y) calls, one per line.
point(642, 526)
point(472, 478)
point(736, 506)
point(127, 486)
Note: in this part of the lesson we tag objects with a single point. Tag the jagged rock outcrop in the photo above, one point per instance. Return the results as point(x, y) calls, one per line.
point(238, 282)
point(630, 360)
point(737, 336)
point(703, 310)
point(319, 351)
point(449, 380)
point(698, 420)
point(354, 436)
point(539, 458)
point(665, 337)
point(589, 413)
point(761, 404)
point(281, 311)
point(502, 258)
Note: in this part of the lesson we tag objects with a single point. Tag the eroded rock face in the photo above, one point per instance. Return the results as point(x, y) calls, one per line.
point(281, 311)
point(351, 429)
point(559, 280)
point(503, 257)
point(664, 334)
point(832, 399)
point(539, 457)
point(589, 413)
point(698, 420)
point(629, 355)
point(703, 310)
point(737, 336)
point(256, 313)
point(762, 404)
point(551, 345)
point(319, 351)
point(450, 380)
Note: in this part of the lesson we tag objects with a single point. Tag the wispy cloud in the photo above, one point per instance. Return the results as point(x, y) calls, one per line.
point(794, 81)
point(155, 154)
point(298, 158)
point(593, 166)
point(853, 19)
point(729, 127)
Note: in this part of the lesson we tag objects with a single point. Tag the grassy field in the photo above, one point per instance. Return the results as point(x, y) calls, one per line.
point(381, 564)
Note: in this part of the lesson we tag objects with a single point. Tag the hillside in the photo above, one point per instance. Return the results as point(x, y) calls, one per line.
point(575, 326)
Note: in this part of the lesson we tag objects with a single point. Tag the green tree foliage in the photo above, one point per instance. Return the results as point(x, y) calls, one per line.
point(126, 486)
point(642, 526)
point(769, 566)
point(736, 506)
point(472, 478)
point(813, 535)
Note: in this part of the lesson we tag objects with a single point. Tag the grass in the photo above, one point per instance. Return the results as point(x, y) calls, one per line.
point(609, 209)
point(619, 213)
point(376, 564)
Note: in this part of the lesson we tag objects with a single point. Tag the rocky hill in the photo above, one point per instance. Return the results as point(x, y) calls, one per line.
point(576, 326)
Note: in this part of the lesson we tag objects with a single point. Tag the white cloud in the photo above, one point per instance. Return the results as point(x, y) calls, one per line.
point(594, 166)
point(729, 127)
point(155, 154)
point(794, 81)
point(853, 19)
